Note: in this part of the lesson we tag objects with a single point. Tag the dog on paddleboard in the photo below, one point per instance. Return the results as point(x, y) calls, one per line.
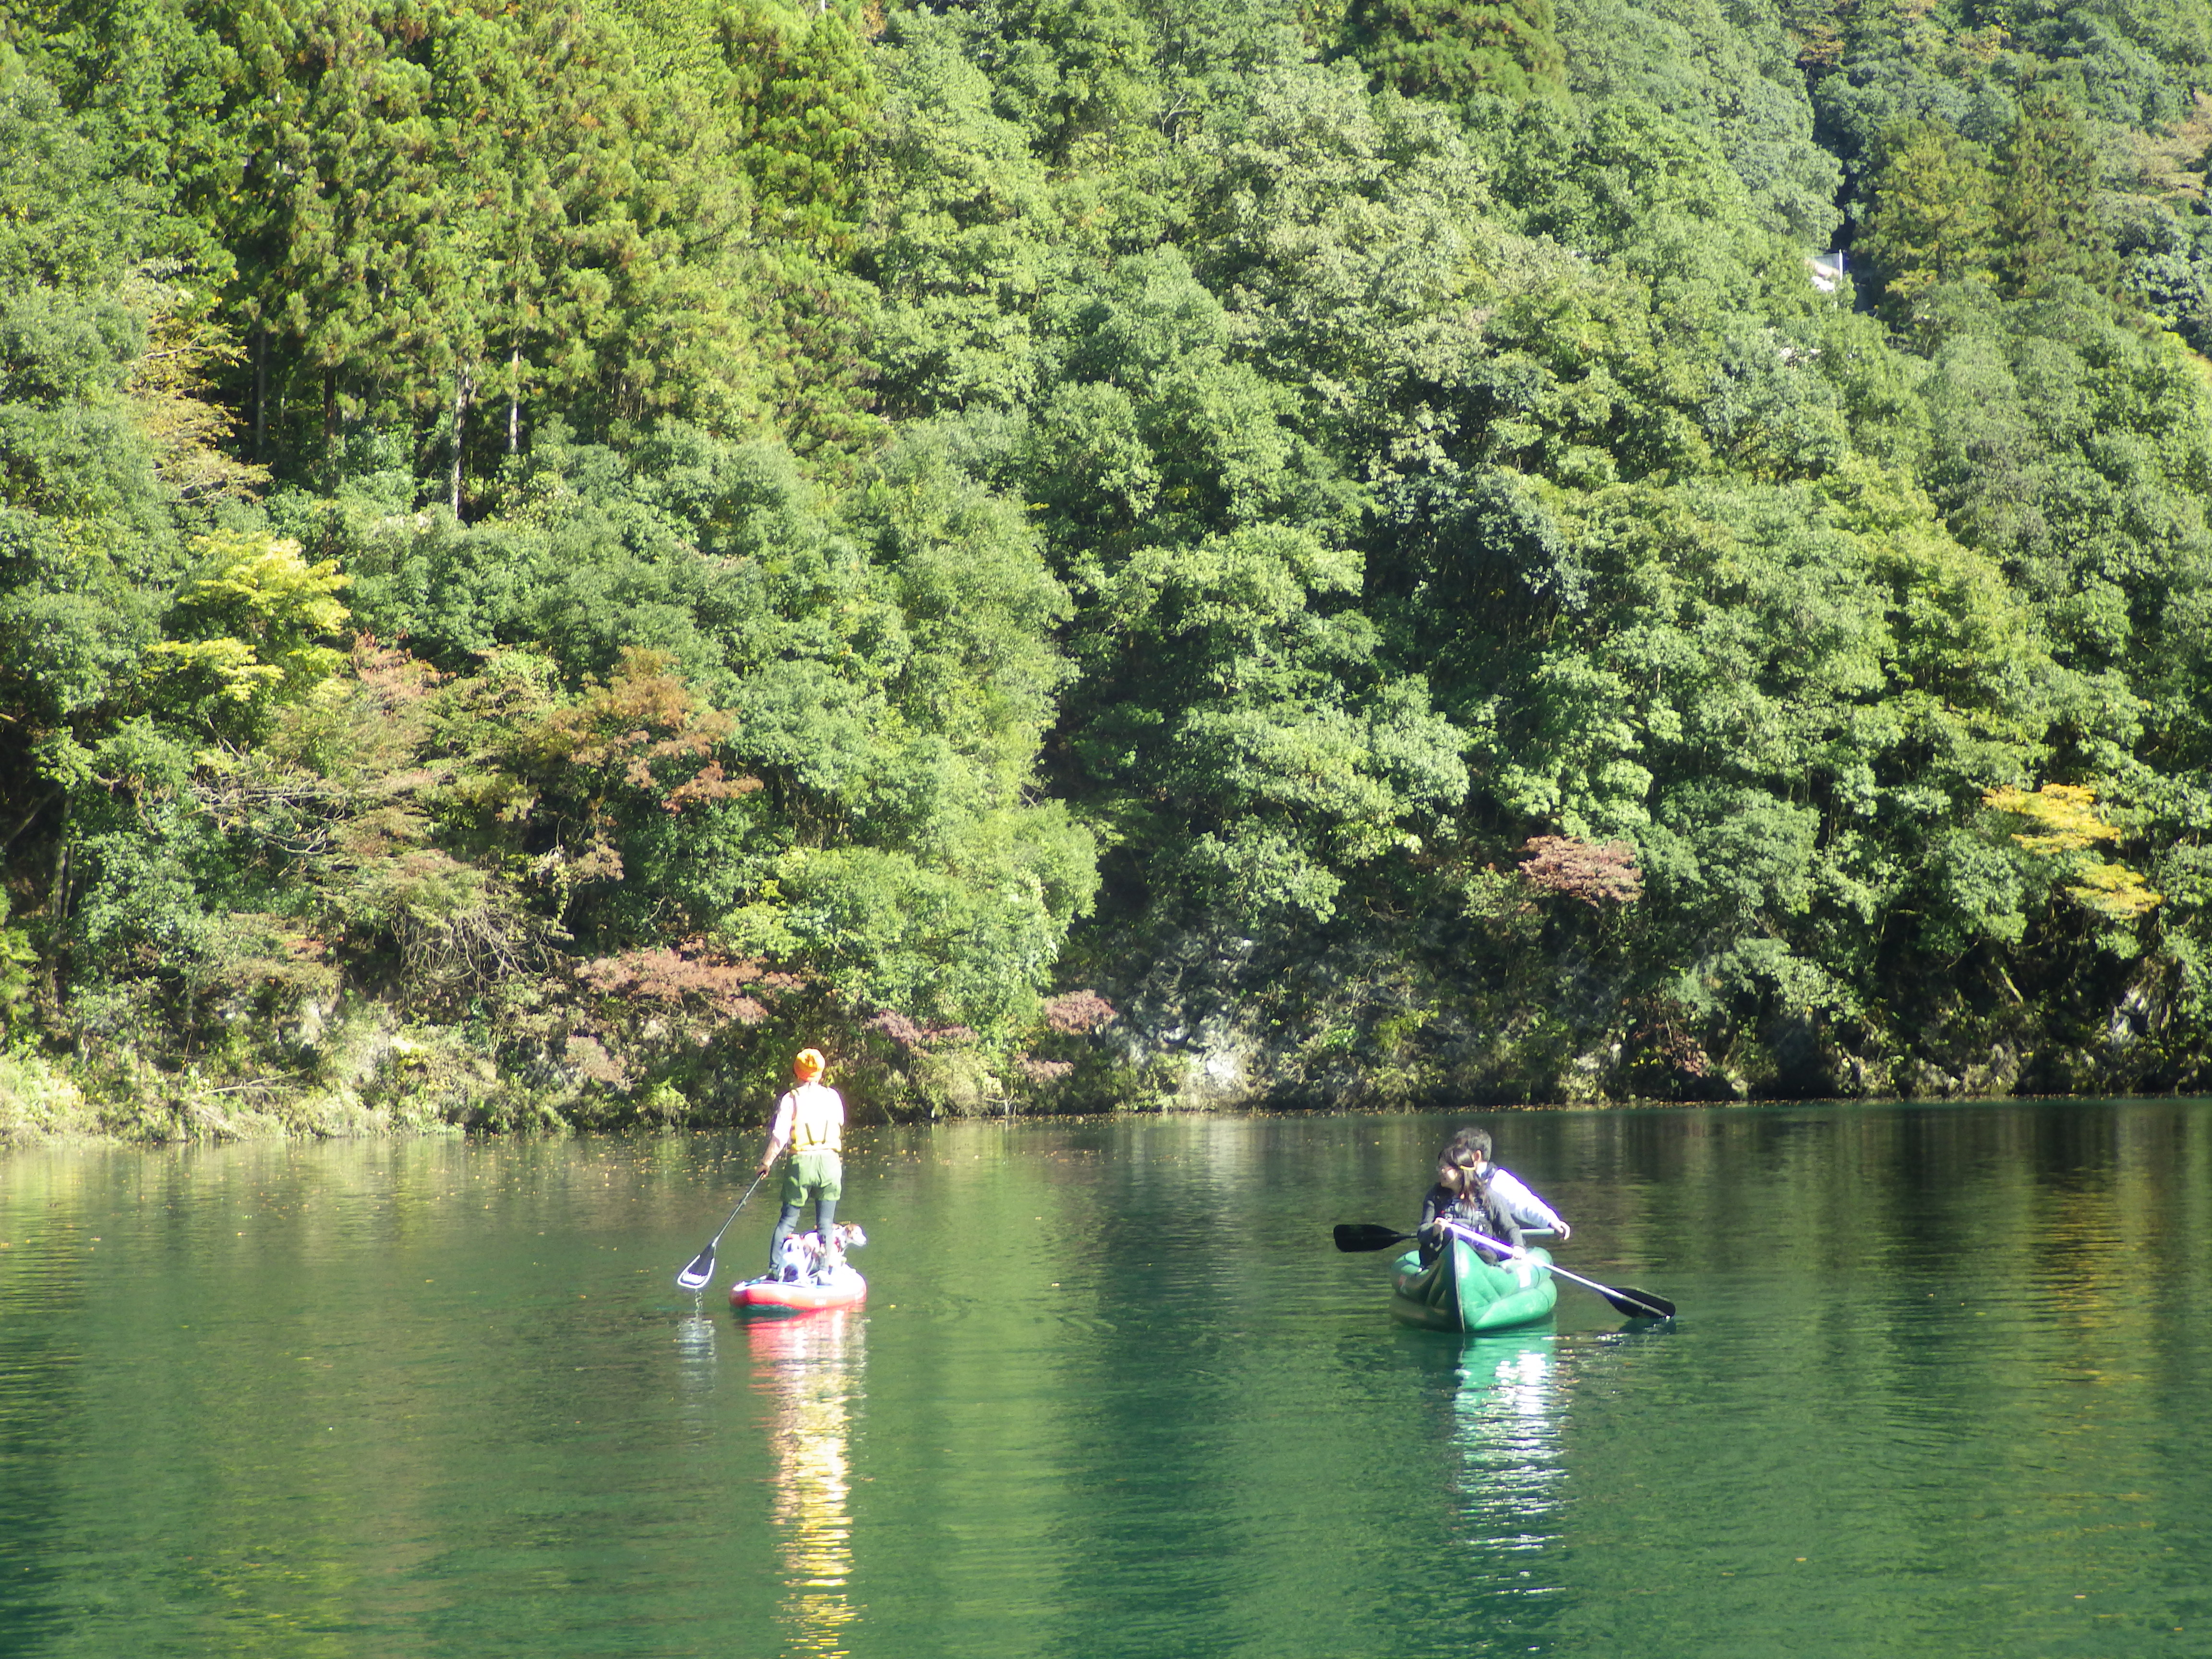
point(810, 1258)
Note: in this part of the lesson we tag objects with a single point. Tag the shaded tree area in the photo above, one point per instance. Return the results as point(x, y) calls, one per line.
point(1080, 552)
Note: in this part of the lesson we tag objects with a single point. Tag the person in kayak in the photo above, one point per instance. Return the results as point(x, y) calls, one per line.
point(1510, 1192)
point(810, 1119)
point(1462, 1195)
point(1483, 1198)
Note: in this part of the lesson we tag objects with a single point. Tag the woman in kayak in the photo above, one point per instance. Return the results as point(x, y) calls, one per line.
point(1461, 1195)
point(1475, 1193)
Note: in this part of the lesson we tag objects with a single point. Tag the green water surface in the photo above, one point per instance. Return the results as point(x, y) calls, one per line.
point(1941, 1385)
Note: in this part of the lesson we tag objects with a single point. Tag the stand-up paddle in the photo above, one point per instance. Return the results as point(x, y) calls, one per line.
point(702, 1267)
point(1354, 1237)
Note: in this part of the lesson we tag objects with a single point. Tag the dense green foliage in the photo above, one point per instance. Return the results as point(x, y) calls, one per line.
point(546, 551)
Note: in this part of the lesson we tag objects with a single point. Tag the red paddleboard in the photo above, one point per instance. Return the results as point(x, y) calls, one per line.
point(846, 1289)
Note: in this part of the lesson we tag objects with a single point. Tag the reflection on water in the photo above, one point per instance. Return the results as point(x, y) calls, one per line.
point(1507, 1433)
point(810, 1367)
point(1939, 1392)
point(694, 1371)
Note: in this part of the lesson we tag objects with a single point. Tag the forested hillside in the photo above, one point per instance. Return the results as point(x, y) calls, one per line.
point(1088, 552)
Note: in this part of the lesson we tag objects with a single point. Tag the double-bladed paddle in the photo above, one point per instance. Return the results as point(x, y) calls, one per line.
point(702, 1265)
point(1354, 1237)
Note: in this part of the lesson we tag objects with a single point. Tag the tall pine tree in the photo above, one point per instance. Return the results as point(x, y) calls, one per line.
point(1934, 217)
point(2046, 199)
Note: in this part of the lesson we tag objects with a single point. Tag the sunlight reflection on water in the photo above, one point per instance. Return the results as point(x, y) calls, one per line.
point(811, 1367)
point(1508, 1431)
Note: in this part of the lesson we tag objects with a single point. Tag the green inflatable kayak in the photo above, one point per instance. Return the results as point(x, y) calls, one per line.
point(1461, 1292)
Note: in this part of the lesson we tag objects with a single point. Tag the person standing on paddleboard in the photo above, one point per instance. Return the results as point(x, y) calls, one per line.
point(810, 1119)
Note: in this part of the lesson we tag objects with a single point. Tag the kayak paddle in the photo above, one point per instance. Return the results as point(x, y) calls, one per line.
point(702, 1265)
point(1352, 1238)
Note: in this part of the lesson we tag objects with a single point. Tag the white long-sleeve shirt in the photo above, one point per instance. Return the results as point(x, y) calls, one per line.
point(1513, 1195)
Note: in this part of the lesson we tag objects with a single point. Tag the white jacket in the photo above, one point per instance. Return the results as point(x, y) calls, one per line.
point(1516, 1199)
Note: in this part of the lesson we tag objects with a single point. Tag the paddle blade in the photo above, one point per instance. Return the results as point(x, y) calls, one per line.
point(1353, 1237)
point(701, 1268)
point(1638, 1305)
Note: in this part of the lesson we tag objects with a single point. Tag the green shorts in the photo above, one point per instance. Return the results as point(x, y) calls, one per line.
point(821, 1169)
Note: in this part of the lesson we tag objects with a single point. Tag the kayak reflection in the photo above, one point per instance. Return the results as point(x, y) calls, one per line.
point(1507, 1430)
point(810, 1368)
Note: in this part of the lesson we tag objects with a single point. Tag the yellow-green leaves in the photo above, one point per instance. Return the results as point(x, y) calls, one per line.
point(2063, 827)
point(2113, 892)
point(2064, 815)
point(269, 578)
point(260, 612)
point(232, 664)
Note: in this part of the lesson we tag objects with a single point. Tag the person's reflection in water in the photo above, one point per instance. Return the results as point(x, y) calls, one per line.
point(810, 1366)
point(1507, 1431)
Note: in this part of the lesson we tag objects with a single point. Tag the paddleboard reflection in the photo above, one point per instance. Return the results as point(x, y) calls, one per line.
point(810, 1367)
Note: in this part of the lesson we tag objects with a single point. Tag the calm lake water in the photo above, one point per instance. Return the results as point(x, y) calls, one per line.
point(1941, 1386)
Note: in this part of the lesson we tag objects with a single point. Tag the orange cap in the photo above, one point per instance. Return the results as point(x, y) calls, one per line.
point(809, 1063)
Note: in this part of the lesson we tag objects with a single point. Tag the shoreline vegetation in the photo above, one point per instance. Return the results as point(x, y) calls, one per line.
point(1097, 555)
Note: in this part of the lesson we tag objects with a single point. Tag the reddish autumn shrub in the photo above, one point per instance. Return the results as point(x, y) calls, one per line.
point(1582, 870)
point(691, 978)
point(910, 1033)
point(1079, 1012)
